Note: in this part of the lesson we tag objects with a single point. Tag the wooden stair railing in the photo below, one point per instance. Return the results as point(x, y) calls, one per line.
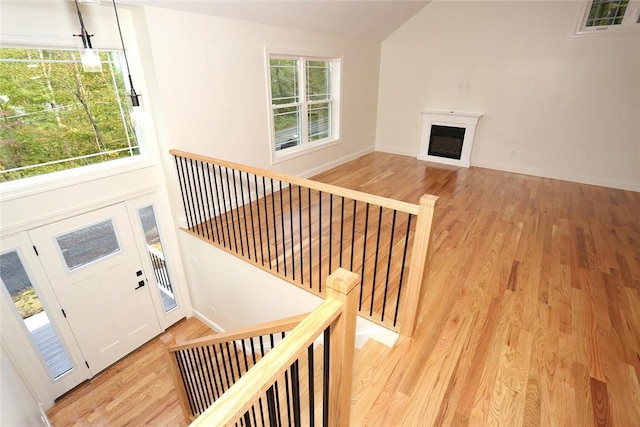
point(301, 230)
point(203, 369)
point(305, 378)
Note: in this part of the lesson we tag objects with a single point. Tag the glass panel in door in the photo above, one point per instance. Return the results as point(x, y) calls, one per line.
point(88, 244)
point(28, 305)
point(157, 257)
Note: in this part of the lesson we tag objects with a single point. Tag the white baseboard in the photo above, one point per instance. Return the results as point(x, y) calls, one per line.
point(204, 319)
point(543, 173)
point(317, 170)
point(378, 333)
point(394, 150)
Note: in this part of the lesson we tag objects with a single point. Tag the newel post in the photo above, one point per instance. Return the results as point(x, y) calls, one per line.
point(411, 295)
point(341, 285)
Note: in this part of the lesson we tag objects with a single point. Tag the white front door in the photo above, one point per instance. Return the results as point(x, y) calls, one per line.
point(96, 273)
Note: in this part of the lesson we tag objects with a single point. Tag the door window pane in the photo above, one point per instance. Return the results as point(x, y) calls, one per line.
point(157, 258)
point(26, 300)
point(88, 244)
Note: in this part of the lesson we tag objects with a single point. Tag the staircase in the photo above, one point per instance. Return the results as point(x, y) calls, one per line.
point(296, 370)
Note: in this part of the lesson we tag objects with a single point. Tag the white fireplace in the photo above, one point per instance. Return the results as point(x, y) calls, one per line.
point(447, 137)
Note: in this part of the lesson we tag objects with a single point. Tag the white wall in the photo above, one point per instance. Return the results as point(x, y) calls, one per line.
point(229, 295)
point(233, 296)
point(554, 105)
point(17, 405)
point(213, 87)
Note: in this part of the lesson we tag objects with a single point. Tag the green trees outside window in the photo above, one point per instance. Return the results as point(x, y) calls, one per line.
point(54, 116)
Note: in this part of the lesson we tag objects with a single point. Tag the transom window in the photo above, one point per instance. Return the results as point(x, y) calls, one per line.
point(618, 15)
point(54, 116)
point(304, 95)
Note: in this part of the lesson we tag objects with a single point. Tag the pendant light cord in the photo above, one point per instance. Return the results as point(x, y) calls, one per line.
point(86, 37)
point(124, 51)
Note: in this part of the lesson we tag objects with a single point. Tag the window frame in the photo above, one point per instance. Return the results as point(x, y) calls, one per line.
point(306, 146)
point(148, 157)
point(629, 25)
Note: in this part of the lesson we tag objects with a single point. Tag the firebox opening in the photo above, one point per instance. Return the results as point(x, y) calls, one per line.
point(446, 141)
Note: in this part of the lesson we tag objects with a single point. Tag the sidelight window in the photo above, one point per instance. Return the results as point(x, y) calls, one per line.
point(17, 282)
point(157, 257)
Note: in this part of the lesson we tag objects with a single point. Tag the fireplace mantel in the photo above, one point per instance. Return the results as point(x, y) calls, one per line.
point(467, 121)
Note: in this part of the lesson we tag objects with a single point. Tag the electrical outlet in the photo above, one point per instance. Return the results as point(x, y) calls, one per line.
point(195, 261)
point(213, 309)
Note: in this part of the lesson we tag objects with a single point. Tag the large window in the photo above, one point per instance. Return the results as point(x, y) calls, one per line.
point(304, 95)
point(54, 116)
point(615, 16)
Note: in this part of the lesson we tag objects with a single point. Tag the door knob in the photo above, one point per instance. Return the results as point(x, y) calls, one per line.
point(140, 284)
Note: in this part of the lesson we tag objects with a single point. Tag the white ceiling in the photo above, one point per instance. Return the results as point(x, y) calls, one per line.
point(365, 19)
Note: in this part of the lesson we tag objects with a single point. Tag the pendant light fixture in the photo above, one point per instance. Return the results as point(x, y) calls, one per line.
point(135, 97)
point(90, 59)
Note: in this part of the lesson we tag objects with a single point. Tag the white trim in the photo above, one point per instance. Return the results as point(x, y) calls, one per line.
point(395, 150)
point(210, 323)
point(301, 150)
point(66, 178)
point(541, 173)
point(77, 210)
point(325, 167)
point(544, 173)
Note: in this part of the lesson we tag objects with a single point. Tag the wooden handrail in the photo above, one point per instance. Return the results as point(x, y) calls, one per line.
point(398, 205)
point(338, 310)
point(404, 260)
point(279, 325)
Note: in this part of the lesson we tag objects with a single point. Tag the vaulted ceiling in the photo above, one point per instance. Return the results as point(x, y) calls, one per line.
point(365, 19)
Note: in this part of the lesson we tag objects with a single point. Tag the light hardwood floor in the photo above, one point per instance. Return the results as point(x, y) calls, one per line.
point(138, 390)
point(531, 310)
point(530, 314)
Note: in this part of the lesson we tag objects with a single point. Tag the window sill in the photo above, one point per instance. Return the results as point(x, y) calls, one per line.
point(301, 150)
point(42, 183)
point(608, 31)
